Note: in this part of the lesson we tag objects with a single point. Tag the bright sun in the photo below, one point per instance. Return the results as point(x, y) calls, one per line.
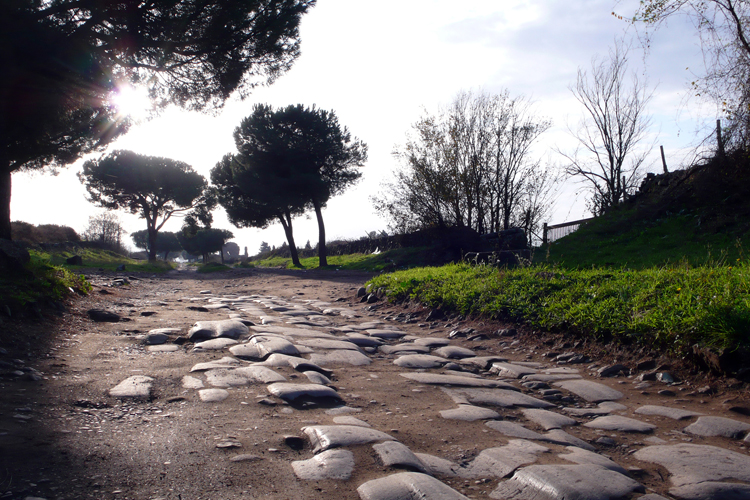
point(133, 102)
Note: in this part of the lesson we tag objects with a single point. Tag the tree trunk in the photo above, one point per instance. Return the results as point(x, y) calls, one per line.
point(5, 185)
point(286, 223)
point(152, 233)
point(322, 252)
point(221, 251)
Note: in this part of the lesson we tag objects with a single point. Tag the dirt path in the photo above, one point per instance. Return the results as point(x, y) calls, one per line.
point(64, 436)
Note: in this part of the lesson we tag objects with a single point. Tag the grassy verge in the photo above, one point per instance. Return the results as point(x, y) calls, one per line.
point(100, 259)
point(400, 258)
point(618, 239)
point(212, 267)
point(670, 308)
point(41, 282)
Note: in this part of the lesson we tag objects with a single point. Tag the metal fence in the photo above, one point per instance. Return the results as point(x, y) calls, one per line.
point(557, 231)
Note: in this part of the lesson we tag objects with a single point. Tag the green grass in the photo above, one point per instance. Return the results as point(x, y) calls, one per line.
point(669, 308)
point(100, 259)
point(400, 258)
point(40, 282)
point(212, 267)
point(618, 240)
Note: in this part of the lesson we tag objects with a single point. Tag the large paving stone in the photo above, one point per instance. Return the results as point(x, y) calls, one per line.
point(559, 436)
point(469, 413)
point(482, 362)
point(317, 378)
point(213, 395)
point(564, 482)
point(363, 340)
point(299, 364)
point(692, 463)
point(512, 429)
point(408, 486)
point(604, 408)
point(712, 491)
point(408, 347)
point(438, 466)
point(454, 380)
point(502, 461)
point(590, 391)
point(340, 357)
point(550, 377)
point(495, 397)
point(261, 346)
point(189, 382)
point(454, 352)
point(225, 362)
point(227, 377)
point(323, 437)
point(331, 464)
point(418, 361)
point(213, 344)
point(582, 456)
point(510, 370)
point(365, 325)
point(665, 411)
point(432, 342)
point(318, 343)
point(547, 419)
point(137, 386)
point(395, 454)
point(292, 331)
point(621, 424)
point(718, 426)
point(385, 334)
point(230, 328)
point(290, 392)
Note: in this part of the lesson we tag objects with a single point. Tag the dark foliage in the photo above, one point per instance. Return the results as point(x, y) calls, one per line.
point(63, 59)
point(152, 187)
point(44, 233)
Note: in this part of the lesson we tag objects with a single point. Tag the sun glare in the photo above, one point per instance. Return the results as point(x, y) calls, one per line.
point(133, 102)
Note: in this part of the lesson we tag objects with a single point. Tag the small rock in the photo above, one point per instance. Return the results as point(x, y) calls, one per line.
point(611, 370)
point(101, 316)
point(229, 444)
point(665, 377)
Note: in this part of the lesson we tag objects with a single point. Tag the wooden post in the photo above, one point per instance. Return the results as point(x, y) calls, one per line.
point(718, 138)
point(663, 160)
point(544, 235)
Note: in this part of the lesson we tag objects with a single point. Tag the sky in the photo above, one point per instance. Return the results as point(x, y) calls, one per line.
point(382, 65)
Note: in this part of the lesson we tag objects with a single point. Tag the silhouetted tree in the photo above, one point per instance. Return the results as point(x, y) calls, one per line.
point(152, 187)
point(166, 242)
point(304, 154)
point(105, 228)
point(469, 166)
point(204, 241)
point(610, 156)
point(264, 247)
point(62, 60)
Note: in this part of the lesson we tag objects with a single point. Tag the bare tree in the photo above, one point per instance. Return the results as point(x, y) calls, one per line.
point(467, 167)
point(105, 228)
point(722, 28)
point(609, 155)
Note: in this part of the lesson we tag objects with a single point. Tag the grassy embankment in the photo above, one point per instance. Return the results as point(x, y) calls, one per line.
point(48, 277)
point(667, 269)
